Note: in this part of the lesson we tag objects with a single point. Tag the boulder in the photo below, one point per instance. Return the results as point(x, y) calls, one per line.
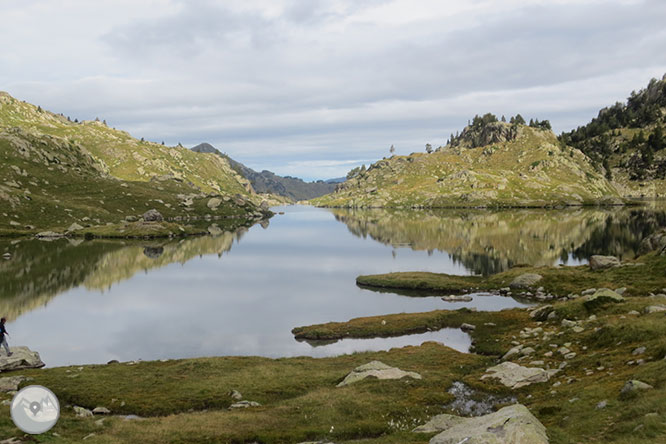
point(48, 235)
point(467, 327)
point(598, 262)
point(378, 370)
point(264, 206)
point(75, 227)
point(101, 411)
point(525, 280)
point(153, 216)
point(654, 309)
point(214, 203)
point(22, 357)
point(541, 313)
point(215, 230)
point(458, 298)
point(235, 395)
point(515, 376)
point(634, 385)
point(513, 424)
point(82, 412)
point(600, 297)
point(11, 383)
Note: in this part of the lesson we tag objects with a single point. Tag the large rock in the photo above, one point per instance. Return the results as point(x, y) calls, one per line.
point(153, 216)
point(22, 357)
point(513, 424)
point(525, 280)
point(654, 242)
point(541, 313)
point(600, 297)
point(515, 376)
point(376, 369)
point(634, 385)
point(214, 203)
point(48, 235)
point(11, 383)
point(598, 262)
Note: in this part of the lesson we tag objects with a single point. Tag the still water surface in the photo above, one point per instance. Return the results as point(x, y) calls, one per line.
point(242, 293)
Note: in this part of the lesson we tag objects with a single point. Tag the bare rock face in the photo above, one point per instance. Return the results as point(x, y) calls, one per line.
point(21, 358)
point(378, 370)
point(153, 216)
point(495, 132)
point(513, 424)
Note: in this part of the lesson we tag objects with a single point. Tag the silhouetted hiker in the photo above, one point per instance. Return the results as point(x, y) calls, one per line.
point(3, 332)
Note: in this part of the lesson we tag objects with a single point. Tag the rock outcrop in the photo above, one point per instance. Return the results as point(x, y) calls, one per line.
point(21, 358)
point(654, 242)
point(598, 262)
point(514, 424)
point(600, 297)
point(378, 370)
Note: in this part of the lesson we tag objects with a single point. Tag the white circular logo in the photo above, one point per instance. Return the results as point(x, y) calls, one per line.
point(35, 409)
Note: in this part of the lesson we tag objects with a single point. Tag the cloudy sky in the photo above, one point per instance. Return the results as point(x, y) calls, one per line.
point(314, 87)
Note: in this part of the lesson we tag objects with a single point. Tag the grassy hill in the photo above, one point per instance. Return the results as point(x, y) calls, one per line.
point(491, 164)
point(268, 182)
point(628, 141)
point(55, 173)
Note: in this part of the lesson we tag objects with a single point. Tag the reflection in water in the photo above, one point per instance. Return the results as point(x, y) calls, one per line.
point(38, 270)
point(452, 337)
point(125, 299)
point(488, 242)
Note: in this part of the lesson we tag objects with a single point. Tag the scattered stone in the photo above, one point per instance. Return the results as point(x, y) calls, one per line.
point(22, 357)
point(633, 386)
point(526, 351)
point(525, 280)
point(459, 298)
point(568, 323)
point(598, 262)
point(602, 404)
point(376, 369)
point(153, 215)
point(600, 297)
point(101, 411)
point(75, 227)
point(214, 203)
point(513, 424)
point(512, 352)
point(654, 309)
point(131, 218)
point(467, 327)
point(638, 351)
point(91, 435)
point(621, 290)
point(244, 405)
point(235, 395)
point(515, 376)
point(541, 313)
point(82, 412)
point(215, 230)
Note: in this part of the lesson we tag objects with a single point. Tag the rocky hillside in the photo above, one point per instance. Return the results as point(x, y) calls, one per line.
point(491, 164)
point(628, 141)
point(268, 182)
point(59, 175)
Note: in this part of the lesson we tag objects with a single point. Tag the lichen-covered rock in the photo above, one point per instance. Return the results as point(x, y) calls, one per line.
point(541, 313)
point(513, 424)
point(515, 376)
point(378, 370)
point(525, 280)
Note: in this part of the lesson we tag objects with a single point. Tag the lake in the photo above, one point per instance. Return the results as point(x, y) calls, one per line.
point(241, 293)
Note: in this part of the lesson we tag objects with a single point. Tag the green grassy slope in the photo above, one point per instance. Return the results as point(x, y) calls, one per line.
point(528, 169)
point(54, 173)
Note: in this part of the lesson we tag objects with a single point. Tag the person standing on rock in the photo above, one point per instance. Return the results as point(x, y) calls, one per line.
point(3, 332)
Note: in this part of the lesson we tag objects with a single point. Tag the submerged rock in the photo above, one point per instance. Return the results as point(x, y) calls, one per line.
point(598, 262)
point(22, 357)
point(515, 376)
point(510, 425)
point(378, 370)
point(525, 280)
